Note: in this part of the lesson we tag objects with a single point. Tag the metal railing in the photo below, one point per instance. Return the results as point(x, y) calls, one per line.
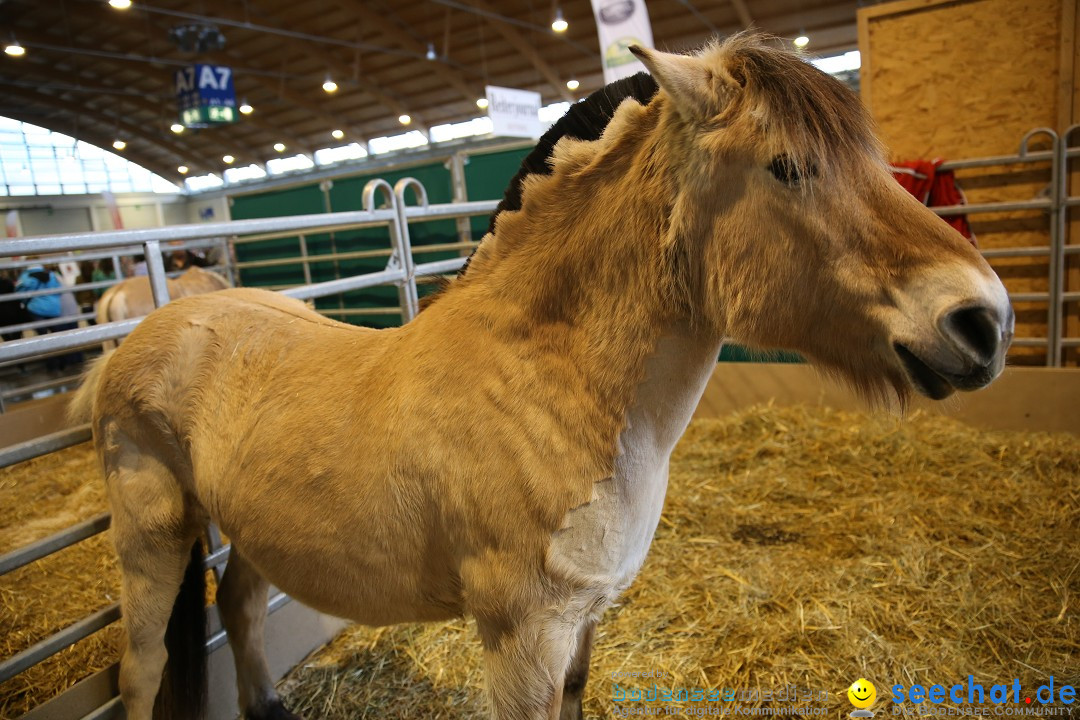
point(401, 271)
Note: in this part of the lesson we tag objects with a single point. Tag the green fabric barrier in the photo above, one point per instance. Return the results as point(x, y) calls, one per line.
point(303, 200)
point(347, 194)
point(486, 178)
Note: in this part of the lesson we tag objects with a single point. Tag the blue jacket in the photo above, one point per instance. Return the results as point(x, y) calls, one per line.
point(38, 278)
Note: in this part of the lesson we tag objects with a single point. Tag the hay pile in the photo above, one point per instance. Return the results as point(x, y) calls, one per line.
point(798, 546)
point(38, 498)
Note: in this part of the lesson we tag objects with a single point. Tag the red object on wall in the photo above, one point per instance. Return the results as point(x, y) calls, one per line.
point(934, 188)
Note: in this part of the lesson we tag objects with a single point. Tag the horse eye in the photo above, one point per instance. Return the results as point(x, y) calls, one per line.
point(786, 171)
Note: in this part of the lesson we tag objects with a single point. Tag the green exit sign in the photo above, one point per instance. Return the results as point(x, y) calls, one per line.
point(208, 115)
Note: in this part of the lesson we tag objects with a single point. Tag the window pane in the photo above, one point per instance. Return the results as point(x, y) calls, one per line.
point(35, 159)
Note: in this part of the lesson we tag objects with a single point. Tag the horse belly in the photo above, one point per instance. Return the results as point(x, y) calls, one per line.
point(346, 554)
point(364, 591)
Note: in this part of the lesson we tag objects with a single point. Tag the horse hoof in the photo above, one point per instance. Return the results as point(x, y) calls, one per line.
point(271, 711)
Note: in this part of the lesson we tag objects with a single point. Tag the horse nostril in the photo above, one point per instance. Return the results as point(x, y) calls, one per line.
point(975, 329)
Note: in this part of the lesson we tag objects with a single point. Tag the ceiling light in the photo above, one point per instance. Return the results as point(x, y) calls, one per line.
point(245, 108)
point(228, 159)
point(14, 49)
point(573, 84)
point(559, 24)
point(183, 169)
point(801, 41)
point(329, 86)
point(404, 119)
point(431, 55)
point(177, 128)
point(120, 4)
point(337, 134)
point(119, 144)
point(481, 103)
point(280, 147)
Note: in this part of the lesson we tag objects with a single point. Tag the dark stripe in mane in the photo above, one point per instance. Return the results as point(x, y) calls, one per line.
point(585, 120)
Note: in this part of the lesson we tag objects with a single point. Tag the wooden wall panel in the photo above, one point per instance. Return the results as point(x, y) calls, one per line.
point(967, 79)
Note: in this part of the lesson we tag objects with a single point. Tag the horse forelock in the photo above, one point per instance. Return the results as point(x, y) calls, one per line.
point(818, 120)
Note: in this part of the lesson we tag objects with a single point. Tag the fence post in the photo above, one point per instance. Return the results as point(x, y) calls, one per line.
point(155, 268)
point(401, 257)
point(457, 179)
point(403, 221)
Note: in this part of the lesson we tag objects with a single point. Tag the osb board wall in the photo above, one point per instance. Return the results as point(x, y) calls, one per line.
point(968, 79)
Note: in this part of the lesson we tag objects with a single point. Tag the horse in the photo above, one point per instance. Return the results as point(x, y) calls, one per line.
point(133, 298)
point(504, 455)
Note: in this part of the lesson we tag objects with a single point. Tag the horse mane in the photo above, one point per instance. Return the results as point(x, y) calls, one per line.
point(585, 120)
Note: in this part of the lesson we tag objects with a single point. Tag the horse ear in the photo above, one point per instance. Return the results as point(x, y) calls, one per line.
point(698, 89)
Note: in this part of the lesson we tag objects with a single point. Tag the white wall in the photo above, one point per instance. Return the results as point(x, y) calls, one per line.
point(53, 221)
point(50, 215)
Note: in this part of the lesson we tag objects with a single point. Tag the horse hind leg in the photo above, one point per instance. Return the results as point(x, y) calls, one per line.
point(163, 586)
point(242, 598)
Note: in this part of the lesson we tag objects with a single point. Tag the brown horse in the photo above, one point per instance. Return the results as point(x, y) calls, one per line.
point(505, 454)
point(132, 298)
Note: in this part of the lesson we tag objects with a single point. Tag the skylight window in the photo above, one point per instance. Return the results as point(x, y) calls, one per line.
point(37, 161)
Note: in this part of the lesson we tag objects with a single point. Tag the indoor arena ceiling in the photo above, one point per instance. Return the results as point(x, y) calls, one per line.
point(99, 73)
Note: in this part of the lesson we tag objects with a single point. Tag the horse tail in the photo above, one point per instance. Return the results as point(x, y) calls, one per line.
point(81, 406)
point(183, 694)
point(103, 305)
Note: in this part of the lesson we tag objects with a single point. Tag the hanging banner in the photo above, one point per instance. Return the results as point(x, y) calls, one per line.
point(620, 24)
point(514, 113)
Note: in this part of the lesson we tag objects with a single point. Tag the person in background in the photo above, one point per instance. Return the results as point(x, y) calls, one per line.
point(39, 307)
point(140, 266)
point(11, 311)
point(46, 307)
point(69, 307)
point(100, 274)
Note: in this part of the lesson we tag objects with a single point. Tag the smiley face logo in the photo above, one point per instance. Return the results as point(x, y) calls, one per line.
point(862, 693)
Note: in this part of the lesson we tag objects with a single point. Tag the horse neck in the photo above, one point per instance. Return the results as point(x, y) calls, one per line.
point(581, 275)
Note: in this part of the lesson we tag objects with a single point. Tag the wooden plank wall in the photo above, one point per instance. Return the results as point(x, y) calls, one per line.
point(965, 79)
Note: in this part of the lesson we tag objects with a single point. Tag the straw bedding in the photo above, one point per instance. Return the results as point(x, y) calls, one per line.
point(799, 547)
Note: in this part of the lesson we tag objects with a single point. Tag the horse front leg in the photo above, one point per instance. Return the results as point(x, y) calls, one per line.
point(577, 676)
point(526, 663)
point(242, 600)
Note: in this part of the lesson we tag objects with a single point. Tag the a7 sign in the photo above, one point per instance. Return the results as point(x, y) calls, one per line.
point(205, 95)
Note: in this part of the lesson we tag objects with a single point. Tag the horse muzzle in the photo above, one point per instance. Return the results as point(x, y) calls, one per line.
point(967, 352)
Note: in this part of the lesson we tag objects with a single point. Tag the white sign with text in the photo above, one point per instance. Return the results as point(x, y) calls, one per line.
point(514, 113)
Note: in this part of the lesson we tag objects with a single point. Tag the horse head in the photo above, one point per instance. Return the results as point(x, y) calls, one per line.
point(788, 230)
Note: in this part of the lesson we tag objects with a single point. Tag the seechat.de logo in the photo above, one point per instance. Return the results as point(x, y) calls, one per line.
point(973, 692)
